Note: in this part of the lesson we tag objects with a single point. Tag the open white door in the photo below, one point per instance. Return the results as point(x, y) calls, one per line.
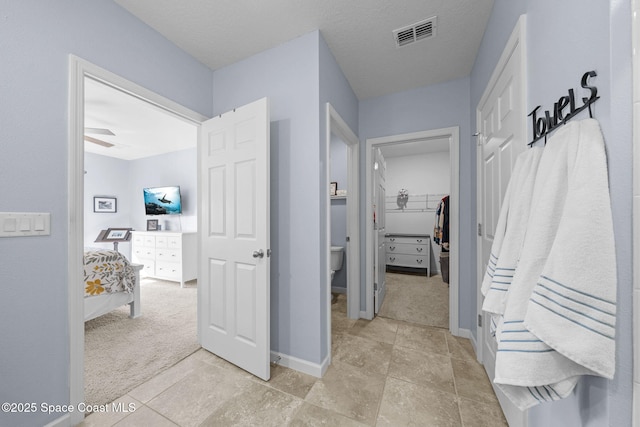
point(380, 257)
point(233, 282)
point(500, 120)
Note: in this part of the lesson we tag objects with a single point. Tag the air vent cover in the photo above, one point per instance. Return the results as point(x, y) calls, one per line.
point(419, 31)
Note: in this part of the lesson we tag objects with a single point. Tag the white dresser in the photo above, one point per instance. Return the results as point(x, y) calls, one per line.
point(409, 250)
point(166, 255)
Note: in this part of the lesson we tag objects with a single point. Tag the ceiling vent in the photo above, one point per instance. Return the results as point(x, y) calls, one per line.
point(419, 31)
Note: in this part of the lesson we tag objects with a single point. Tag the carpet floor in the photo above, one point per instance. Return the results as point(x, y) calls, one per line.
point(122, 353)
point(417, 299)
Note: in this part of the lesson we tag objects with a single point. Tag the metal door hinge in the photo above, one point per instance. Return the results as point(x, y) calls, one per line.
point(375, 286)
point(480, 320)
point(479, 229)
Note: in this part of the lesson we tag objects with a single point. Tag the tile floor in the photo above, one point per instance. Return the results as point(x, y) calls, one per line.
point(384, 373)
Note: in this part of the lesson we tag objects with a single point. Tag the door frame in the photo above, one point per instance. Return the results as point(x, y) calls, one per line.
point(78, 70)
point(453, 133)
point(337, 126)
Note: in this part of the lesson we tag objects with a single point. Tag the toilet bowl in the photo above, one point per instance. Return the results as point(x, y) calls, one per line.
point(337, 257)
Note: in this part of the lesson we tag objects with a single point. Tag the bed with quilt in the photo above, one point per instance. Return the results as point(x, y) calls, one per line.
point(110, 281)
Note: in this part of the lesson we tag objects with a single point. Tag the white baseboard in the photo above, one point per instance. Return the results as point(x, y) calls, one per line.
point(304, 366)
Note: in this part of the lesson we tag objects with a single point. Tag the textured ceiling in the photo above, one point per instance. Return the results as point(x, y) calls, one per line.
point(358, 32)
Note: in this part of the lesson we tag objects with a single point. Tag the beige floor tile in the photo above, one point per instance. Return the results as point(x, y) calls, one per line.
point(472, 381)
point(289, 381)
point(460, 348)
point(340, 303)
point(476, 414)
point(314, 416)
point(425, 369)
point(423, 338)
point(378, 329)
point(115, 412)
point(346, 390)
point(340, 322)
point(192, 399)
point(371, 357)
point(416, 299)
point(145, 417)
point(257, 405)
point(156, 385)
point(407, 404)
point(214, 360)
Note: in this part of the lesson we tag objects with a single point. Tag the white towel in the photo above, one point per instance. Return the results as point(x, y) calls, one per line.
point(510, 232)
point(559, 320)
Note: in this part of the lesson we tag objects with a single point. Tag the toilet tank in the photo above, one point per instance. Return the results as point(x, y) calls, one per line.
point(337, 256)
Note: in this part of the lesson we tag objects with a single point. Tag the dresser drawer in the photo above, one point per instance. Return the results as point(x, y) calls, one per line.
point(149, 241)
point(171, 255)
point(174, 242)
point(403, 260)
point(168, 270)
point(161, 242)
point(406, 239)
point(144, 253)
point(149, 268)
point(406, 248)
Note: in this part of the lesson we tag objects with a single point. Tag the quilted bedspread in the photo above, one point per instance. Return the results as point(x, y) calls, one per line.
point(107, 272)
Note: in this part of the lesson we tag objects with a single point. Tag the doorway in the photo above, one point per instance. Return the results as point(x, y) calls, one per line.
point(337, 129)
point(79, 70)
point(451, 136)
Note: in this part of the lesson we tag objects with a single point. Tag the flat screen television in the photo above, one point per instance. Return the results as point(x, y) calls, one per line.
point(162, 200)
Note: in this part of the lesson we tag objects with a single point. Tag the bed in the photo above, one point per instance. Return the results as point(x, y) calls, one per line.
point(110, 281)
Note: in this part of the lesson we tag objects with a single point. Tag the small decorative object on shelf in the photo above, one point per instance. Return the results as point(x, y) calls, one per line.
point(152, 225)
point(333, 189)
point(403, 198)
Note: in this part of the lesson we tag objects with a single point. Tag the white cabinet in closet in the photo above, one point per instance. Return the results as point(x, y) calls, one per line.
point(409, 250)
point(166, 255)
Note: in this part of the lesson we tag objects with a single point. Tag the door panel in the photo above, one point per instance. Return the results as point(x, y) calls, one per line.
point(502, 139)
point(234, 301)
point(380, 262)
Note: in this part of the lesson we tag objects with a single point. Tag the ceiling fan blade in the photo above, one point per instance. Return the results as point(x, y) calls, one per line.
point(98, 141)
point(99, 131)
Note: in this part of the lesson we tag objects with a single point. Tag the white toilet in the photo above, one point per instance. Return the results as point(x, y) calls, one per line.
point(337, 256)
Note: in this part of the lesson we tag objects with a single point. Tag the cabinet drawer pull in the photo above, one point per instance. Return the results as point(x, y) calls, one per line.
point(392, 248)
point(419, 261)
point(419, 249)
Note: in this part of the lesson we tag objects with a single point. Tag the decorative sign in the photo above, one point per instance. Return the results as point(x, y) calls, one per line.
point(545, 124)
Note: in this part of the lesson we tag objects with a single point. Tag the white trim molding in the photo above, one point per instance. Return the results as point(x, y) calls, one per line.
point(80, 69)
point(300, 365)
point(453, 134)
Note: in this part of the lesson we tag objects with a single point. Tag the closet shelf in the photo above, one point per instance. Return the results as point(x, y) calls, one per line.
point(415, 203)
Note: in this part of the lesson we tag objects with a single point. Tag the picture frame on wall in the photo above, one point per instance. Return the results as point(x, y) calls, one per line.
point(103, 204)
point(333, 188)
point(152, 225)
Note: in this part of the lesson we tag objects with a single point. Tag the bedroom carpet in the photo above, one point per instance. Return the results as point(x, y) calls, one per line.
point(416, 299)
point(122, 353)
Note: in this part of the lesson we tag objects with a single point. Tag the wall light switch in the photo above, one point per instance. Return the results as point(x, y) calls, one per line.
point(23, 224)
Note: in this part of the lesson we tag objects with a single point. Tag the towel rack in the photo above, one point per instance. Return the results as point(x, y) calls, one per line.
point(544, 124)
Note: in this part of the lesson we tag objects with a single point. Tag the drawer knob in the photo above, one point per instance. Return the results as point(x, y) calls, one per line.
point(419, 261)
point(392, 248)
point(419, 249)
point(392, 259)
point(419, 240)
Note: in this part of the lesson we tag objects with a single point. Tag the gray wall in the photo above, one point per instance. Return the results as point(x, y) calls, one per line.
point(124, 179)
point(106, 176)
point(36, 39)
point(566, 39)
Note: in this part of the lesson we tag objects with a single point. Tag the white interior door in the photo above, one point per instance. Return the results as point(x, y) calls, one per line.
point(233, 284)
point(502, 138)
point(380, 257)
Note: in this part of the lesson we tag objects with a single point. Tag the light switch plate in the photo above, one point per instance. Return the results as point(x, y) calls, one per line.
point(24, 224)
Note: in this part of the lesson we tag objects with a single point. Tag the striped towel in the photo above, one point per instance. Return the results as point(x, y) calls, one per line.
point(559, 319)
point(510, 232)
